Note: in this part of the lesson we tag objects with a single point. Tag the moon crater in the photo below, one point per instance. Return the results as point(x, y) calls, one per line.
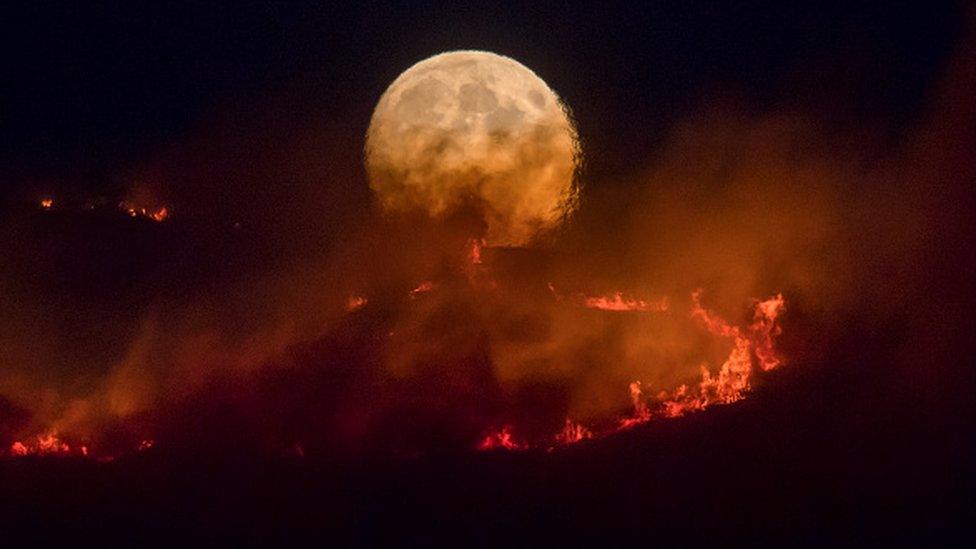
point(475, 128)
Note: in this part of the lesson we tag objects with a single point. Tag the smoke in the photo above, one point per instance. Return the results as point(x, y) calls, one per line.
point(227, 324)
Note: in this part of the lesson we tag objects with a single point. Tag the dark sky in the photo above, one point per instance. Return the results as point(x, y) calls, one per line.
point(91, 91)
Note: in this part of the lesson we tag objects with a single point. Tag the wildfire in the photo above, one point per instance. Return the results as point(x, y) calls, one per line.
point(52, 445)
point(45, 445)
point(615, 302)
point(158, 214)
point(473, 266)
point(572, 433)
point(618, 303)
point(642, 413)
point(730, 384)
point(753, 346)
point(424, 287)
point(752, 349)
point(355, 302)
point(474, 250)
point(500, 439)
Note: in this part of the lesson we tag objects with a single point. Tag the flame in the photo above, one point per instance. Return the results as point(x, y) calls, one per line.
point(18, 449)
point(424, 287)
point(50, 444)
point(43, 445)
point(765, 328)
point(501, 439)
point(355, 302)
point(618, 303)
point(475, 246)
point(614, 302)
point(158, 214)
point(733, 379)
point(642, 413)
point(572, 433)
point(473, 265)
point(731, 384)
point(752, 349)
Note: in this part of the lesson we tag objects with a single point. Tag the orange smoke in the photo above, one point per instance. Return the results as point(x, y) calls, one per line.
point(452, 337)
point(753, 346)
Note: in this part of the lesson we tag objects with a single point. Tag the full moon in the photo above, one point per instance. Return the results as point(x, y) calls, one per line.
point(472, 128)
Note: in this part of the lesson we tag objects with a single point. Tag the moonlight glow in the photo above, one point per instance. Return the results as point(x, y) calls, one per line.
point(475, 128)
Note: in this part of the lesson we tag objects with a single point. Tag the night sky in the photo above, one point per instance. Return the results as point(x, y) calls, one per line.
point(92, 91)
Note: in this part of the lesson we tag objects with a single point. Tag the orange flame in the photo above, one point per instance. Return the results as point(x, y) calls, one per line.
point(424, 287)
point(500, 439)
point(733, 379)
point(46, 444)
point(158, 215)
point(618, 303)
point(474, 250)
point(47, 203)
point(355, 302)
point(730, 384)
point(642, 413)
point(573, 433)
point(765, 329)
point(752, 346)
point(615, 302)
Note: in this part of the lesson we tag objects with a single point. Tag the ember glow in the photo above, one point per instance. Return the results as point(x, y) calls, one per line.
point(752, 347)
point(48, 444)
point(617, 303)
point(500, 439)
point(158, 214)
point(572, 433)
point(422, 288)
point(355, 302)
point(475, 246)
point(523, 355)
point(155, 213)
